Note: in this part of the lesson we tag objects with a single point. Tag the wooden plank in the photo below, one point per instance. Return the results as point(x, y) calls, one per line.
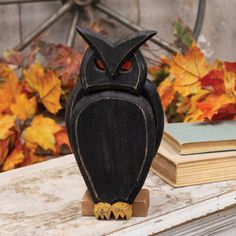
point(33, 14)
point(9, 25)
point(215, 224)
point(45, 199)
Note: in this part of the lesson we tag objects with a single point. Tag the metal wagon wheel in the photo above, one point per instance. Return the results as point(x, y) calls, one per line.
point(67, 5)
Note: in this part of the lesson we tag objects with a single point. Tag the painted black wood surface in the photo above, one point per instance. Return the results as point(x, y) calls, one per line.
point(114, 118)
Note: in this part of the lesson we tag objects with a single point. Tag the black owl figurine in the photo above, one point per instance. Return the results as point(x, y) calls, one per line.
point(114, 119)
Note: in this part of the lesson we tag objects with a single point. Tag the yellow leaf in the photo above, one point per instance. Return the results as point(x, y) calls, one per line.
point(194, 112)
point(24, 108)
point(166, 91)
point(188, 69)
point(47, 85)
point(6, 123)
point(15, 158)
point(33, 76)
point(50, 92)
point(6, 99)
point(9, 78)
point(230, 83)
point(41, 132)
point(9, 87)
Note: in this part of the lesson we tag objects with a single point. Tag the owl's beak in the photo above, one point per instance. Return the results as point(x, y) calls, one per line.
point(111, 76)
point(111, 73)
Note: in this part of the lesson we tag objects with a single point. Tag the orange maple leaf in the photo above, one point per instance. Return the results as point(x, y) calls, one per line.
point(9, 87)
point(6, 123)
point(15, 157)
point(41, 133)
point(4, 149)
point(61, 140)
point(230, 83)
point(47, 85)
point(188, 69)
point(24, 108)
point(166, 91)
point(31, 157)
point(212, 103)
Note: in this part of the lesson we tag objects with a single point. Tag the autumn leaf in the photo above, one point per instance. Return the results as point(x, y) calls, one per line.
point(188, 69)
point(47, 85)
point(33, 77)
point(214, 81)
point(4, 149)
point(41, 133)
point(9, 79)
point(230, 66)
point(184, 36)
point(31, 157)
point(166, 91)
point(15, 157)
point(230, 84)
point(64, 60)
point(50, 92)
point(226, 112)
point(6, 99)
point(194, 113)
point(61, 140)
point(13, 58)
point(6, 123)
point(212, 103)
point(67, 62)
point(9, 87)
point(24, 108)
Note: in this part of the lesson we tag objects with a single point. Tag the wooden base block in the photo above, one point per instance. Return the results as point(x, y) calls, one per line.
point(139, 206)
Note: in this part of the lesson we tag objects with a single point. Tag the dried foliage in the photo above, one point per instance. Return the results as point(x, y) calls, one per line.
point(195, 90)
point(33, 88)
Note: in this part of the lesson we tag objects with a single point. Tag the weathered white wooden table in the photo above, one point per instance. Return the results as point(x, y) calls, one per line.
point(44, 199)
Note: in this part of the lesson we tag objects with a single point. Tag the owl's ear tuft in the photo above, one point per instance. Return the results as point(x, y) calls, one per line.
point(135, 40)
point(92, 38)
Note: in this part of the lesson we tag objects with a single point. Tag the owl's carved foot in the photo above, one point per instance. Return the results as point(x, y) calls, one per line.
point(122, 209)
point(102, 210)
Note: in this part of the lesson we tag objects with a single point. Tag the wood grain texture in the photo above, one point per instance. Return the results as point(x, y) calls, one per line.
point(9, 25)
point(121, 129)
point(114, 129)
point(33, 14)
point(44, 199)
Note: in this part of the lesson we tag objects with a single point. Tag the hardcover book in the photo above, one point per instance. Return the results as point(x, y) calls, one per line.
point(189, 138)
point(183, 170)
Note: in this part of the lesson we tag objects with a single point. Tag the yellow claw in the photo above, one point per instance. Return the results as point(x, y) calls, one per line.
point(102, 210)
point(122, 209)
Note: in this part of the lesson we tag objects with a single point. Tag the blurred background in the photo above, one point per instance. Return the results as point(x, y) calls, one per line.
point(216, 38)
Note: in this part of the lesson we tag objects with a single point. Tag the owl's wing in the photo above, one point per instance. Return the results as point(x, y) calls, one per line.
point(151, 94)
point(76, 94)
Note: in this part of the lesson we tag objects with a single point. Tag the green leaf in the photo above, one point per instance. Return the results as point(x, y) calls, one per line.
point(184, 36)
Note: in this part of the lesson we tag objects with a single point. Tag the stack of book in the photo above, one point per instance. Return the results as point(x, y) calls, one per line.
point(196, 153)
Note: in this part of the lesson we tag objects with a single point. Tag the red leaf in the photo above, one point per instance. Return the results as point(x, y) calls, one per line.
point(230, 66)
point(62, 141)
point(214, 82)
point(226, 112)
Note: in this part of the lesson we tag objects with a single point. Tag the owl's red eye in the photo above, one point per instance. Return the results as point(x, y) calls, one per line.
point(99, 64)
point(126, 65)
